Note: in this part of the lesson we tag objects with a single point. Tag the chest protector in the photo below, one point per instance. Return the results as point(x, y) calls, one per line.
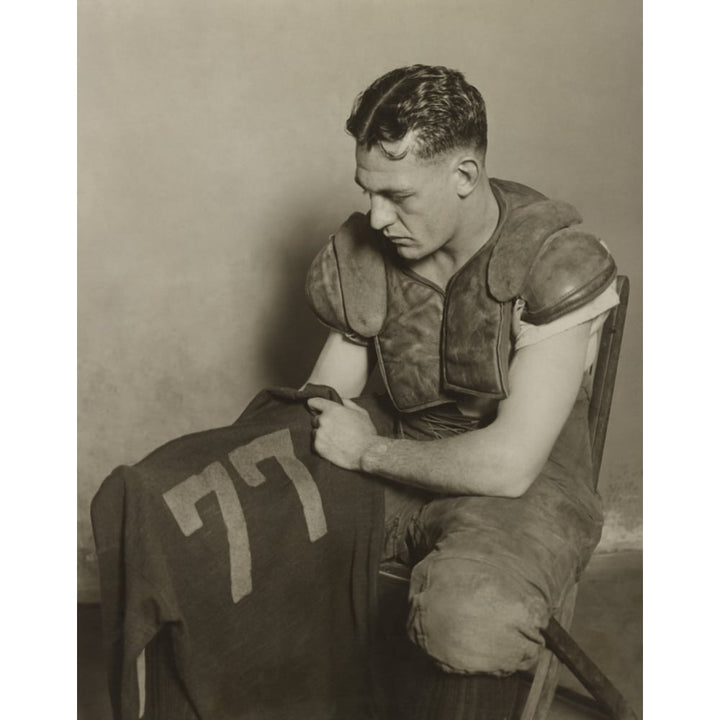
point(434, 345)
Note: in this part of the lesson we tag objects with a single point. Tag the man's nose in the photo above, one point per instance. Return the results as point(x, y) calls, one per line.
point(382, 213)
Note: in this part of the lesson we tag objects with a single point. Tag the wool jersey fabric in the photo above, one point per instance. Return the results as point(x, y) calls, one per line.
point(247, 565)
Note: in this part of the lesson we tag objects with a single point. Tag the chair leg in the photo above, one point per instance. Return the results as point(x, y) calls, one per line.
point(585, 670)
point(540, 698)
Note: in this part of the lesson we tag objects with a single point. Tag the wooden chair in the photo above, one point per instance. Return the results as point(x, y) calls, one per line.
point(560, 646)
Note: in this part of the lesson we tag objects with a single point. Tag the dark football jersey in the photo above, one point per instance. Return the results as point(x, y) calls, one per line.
point(237, 572)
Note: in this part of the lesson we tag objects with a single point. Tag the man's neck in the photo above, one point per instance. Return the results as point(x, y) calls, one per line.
point(478, 222)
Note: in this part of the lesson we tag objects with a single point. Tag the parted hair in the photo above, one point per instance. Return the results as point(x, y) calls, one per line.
point(443, 109)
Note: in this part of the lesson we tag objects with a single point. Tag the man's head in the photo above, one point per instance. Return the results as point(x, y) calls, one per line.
point(421, 138)
point(443, 111)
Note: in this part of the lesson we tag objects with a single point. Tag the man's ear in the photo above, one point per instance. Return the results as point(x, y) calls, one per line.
point(468, 175)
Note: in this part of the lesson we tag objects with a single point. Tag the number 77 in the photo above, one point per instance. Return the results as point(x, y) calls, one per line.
point(183, 498)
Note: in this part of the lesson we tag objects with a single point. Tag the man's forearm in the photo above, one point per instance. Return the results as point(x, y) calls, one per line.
point(470, 464)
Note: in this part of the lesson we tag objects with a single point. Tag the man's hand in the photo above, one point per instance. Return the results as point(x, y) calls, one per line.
point(342, 432)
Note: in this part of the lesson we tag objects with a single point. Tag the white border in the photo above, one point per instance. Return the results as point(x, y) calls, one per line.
point(38, 291)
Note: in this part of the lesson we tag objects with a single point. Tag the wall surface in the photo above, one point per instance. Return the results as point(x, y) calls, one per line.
point(213, 164)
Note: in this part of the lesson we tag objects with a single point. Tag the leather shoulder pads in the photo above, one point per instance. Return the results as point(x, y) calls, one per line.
point(323, 291)
point(346, 284)
point(571, 269)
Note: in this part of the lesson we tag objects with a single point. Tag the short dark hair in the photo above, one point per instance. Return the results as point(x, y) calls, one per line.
point(444, 110)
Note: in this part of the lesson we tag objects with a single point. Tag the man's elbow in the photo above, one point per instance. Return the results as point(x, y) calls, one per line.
point(516, 476)
point(525, 472)
point(516, 486)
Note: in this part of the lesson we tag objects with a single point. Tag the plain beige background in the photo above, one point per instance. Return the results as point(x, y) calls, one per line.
point(213, 164)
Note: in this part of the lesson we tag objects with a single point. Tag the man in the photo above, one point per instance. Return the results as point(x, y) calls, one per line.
point(481, 303)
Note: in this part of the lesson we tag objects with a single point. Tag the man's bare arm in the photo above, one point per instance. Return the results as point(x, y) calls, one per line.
point(342, 365)
point(502, 459)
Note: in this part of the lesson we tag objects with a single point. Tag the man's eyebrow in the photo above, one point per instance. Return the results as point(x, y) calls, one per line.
point(385, 191)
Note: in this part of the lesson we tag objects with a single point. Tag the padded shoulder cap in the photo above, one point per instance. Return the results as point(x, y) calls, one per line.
point(346, 283)
point(323, 291)
point(571, 269)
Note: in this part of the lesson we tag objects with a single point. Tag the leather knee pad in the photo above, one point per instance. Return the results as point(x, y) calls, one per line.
point(474, 616)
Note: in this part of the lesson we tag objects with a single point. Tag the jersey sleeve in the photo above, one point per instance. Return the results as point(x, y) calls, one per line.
point(131, 604)
point(525, 333)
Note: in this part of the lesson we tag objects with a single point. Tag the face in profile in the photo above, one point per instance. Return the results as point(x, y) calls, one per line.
point(413, 202)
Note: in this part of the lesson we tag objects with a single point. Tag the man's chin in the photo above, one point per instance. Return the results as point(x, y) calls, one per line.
point(409, 252)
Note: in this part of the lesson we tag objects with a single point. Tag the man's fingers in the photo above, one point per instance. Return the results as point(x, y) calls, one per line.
point(319, 404)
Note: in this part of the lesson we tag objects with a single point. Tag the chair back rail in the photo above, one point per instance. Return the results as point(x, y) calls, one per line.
point(604, 376)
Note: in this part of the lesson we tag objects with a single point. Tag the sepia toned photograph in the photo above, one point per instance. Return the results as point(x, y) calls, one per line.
point(359, 360)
